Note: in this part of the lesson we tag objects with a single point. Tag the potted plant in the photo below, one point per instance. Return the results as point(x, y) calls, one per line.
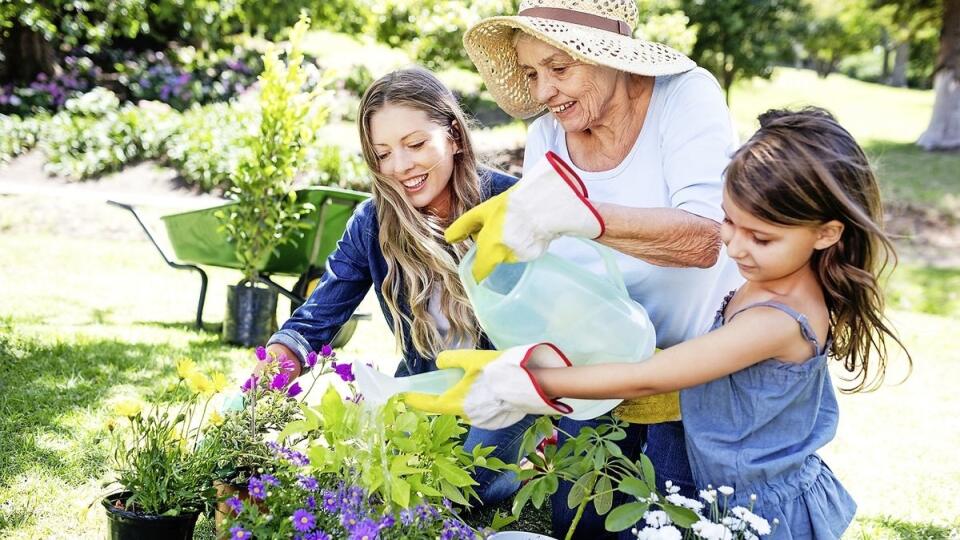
point(252, 419)
point(265, 213)
point(163, 466)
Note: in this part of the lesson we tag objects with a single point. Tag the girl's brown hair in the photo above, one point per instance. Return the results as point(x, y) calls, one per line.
point(802, 168)
point(419, 261)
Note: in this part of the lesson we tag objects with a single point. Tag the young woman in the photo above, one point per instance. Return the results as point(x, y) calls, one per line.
point(425, 174)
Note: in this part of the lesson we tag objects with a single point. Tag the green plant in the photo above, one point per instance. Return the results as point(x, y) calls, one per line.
point(18, 135)
point(331, 165)
point(268, 403)
point(160, 456)
point(404, 456)
point(596, 467)
point(206, 148)
point(266, 212)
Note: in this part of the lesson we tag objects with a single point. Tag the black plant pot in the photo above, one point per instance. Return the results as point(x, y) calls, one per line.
point(126, 525)
point(251, 314)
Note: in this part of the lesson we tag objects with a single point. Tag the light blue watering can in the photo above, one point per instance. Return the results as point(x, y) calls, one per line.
point(589, 316)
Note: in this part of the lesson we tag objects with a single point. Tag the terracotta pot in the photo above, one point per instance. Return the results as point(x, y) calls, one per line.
point(224, 492)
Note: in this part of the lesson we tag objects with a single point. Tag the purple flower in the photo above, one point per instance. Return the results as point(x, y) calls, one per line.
point(331, 502)
point(308, 483)
point(454, 529)
point(235, 504)
point(303, 520)
point(311, 359)
point(349, 519)
point(345, 371)
point(249, 384)
point(367, 529)
point(294, 389)
point(280, 380)
point(239, 533)
point(326, 350)
point(256, 488)
point(311, 502)
point(406, 516)
point(387, 521)
point(261, 353)
point(286, 364)
point(270, 480)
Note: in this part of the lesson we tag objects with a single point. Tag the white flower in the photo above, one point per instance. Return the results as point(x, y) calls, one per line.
point(657, 518)
point(680, 500)
point(756, 522)
point(725, 490)
point(671, 488)
point(733, 523)
point(708, 495)
point(711, 531)
point(664, 533)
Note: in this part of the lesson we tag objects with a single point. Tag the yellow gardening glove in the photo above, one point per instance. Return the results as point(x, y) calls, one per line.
point(496, 390)
point(519, 224)
point(650, 409)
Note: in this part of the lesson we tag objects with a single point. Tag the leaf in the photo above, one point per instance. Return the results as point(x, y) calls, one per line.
point(400, 465)
point(683, 517)
point(625, 516)
point(501, 520)
point(634, 486)
point(604, 498)
point(400, 492)
point(649, 476)
point(522, 497)
point(452, 493)
point(613, 449)
point(581, 488)
point(453, 474)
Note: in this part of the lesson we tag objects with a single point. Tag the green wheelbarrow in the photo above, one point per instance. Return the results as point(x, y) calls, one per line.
point(197, 240)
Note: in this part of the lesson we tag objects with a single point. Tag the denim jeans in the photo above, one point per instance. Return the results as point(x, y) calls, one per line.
point(666, 449)
point(495, 486)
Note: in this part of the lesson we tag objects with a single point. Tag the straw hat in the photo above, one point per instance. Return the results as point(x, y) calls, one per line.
point(593, 31)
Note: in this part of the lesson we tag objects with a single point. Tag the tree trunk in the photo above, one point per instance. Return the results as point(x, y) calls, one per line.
point(885, 41)
point(943, 133)
point(27, 54)
point(901, 60)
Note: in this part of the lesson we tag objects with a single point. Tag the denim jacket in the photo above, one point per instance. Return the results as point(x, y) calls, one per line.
point(355, 265)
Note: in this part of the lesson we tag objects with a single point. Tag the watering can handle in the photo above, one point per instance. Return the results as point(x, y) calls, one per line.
point(613, 270)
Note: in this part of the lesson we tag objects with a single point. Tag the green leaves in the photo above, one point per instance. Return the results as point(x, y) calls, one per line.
point(624, 517)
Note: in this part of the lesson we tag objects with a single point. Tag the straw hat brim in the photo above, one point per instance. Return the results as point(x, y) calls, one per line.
point(489, 45)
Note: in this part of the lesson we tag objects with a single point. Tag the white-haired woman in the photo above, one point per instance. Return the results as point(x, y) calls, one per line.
point(648, 134)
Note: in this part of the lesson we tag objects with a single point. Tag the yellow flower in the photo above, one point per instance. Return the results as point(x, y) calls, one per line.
point(111, 424)
point(215, 418)
point(128, 407)
point(199, 383)
point(185, 367)
point(219, 381)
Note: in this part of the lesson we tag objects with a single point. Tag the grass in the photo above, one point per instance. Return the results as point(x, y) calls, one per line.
point(885, 120)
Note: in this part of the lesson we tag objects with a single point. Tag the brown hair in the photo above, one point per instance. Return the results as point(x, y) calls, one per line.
point(419, 261)
point(802, 168)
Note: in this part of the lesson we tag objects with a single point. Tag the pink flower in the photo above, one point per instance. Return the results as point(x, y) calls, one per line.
point(345, 371)
point(326, 350)
point(294, 389)
point(261, 353)
point(311, 359)
point(249, 384)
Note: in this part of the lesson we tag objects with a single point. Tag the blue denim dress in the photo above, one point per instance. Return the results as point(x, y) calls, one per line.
point(758, 431)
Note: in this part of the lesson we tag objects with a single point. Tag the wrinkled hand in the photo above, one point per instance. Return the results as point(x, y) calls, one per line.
point(519, 224)
point(497, 388)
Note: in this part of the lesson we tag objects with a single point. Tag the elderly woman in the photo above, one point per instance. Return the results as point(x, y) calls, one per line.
point(648, 134)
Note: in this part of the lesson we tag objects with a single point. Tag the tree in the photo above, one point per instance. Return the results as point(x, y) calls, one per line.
point(943, 133)
point(837, 29)
point(909, 25)
point(742, 38)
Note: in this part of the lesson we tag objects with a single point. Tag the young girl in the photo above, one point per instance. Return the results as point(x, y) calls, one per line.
point(802, 223)
point(415, 141)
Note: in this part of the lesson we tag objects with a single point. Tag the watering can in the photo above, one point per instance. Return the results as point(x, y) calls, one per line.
point(589, 316)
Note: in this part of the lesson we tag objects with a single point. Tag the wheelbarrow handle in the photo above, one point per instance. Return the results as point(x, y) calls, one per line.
point(166, 259)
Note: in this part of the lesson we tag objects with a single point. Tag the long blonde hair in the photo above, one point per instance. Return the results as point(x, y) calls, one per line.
point(418, 258)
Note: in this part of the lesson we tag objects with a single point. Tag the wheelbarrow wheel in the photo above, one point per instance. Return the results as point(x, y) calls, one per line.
point(304, 287)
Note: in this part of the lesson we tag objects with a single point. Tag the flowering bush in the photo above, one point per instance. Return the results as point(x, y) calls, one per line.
point(294, 502)
point(18, 135)
point(206, 148)
point(268, 404)
point(716, 520)
point(160, 457)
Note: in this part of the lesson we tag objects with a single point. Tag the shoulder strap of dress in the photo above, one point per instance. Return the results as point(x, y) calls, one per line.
point(801, 319)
